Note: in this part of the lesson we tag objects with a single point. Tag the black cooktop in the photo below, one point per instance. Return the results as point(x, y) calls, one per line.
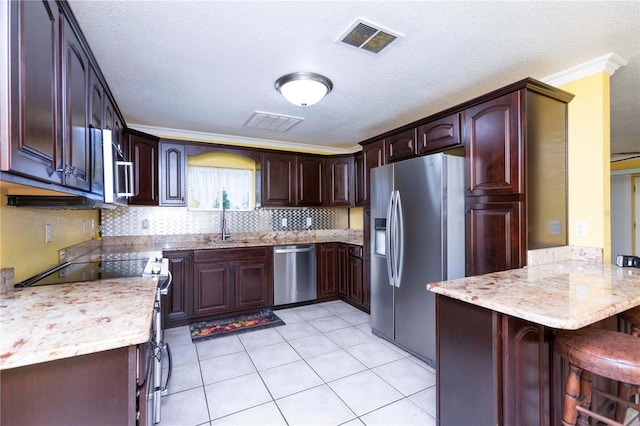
point(87, 271)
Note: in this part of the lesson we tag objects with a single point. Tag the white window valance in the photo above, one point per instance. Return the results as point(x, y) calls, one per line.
point(209, 187)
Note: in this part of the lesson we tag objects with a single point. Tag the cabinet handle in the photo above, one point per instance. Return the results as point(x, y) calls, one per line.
point(72, 170)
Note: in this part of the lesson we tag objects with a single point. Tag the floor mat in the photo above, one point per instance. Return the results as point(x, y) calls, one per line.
point(223, 327)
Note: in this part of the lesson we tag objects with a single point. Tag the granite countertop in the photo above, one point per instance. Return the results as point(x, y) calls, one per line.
point(47, 323)
point(157, 244)
point(568, 294)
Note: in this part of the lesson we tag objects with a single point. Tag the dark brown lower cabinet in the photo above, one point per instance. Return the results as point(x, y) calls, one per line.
point(493, 369)
point(328, 270)
point(343, 282)
point(526, 357)
point(252, 284)
point(93, 389)
point(212, 288)
point(176, 305)
point(355, 276)
point(229, 281)
point(340, 273)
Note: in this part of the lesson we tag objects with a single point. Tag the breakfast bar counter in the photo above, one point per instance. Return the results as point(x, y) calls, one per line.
point(569, 294)
point(494, 343)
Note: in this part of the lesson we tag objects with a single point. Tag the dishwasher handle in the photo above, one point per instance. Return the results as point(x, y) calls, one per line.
point(294, 250)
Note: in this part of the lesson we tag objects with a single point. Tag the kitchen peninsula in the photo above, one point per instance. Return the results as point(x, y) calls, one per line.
point(74, 345)
point(495, 336)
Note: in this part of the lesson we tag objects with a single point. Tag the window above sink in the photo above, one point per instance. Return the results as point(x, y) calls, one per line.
point(221, 179)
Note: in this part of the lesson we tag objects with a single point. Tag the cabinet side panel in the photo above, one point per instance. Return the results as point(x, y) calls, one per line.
point(84, 390)
point(467, 375)
point(546, 171)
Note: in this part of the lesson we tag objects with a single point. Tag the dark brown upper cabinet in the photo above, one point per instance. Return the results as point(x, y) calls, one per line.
point(374, 155)
point(494, 147)
point(340, 181)
point(173, 172)
point(514, 203)
point(358, 174)
point(402, 145)
point(75, 110)
point(59, 102)
point(439, 134)
point(310, 181)
point(279, 180)
point(34, 90)
point(143, 153)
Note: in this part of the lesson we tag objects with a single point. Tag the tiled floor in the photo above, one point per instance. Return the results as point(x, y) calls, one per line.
point(324, 367)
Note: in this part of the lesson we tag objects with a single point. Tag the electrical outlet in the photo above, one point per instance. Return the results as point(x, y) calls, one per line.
point(581, 228)
point(145, 223)
point(284, 222)
point(309, 222)
point(47, 233)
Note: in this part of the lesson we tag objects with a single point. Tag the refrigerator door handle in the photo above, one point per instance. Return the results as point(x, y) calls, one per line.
point(399, 252)
point(388, 240)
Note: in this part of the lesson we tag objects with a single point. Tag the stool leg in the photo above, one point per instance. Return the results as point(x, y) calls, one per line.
point(571, 394)
point(585, 397)
point(625, 390)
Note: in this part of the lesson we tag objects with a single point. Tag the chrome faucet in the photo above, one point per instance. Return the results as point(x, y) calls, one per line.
point(223, 225)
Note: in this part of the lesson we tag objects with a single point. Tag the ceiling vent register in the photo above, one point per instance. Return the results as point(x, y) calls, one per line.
point(272, 121)
point(367, 36)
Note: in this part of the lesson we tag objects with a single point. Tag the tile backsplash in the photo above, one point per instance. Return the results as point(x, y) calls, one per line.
point(179, 220)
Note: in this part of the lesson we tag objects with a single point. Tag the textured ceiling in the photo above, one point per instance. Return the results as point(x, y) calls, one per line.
point(206, 66)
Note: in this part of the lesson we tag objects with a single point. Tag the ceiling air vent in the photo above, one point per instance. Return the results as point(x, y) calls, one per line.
point(367, 36)
point(271, 121)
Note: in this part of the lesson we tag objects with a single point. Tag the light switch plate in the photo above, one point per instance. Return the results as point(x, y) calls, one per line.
point(581, 228)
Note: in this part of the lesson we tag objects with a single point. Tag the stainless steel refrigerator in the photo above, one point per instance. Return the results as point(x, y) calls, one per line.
point(417, 237)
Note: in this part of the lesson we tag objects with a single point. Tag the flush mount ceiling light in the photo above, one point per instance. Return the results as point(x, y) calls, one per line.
point(303, 88)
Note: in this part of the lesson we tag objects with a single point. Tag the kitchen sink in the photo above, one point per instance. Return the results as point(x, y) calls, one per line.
point(234, 241)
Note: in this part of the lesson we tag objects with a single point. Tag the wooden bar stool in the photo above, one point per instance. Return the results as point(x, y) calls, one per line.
point(589, 351)
point(626, 390)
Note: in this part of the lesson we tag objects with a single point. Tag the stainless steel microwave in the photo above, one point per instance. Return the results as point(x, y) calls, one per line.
point(118, 173)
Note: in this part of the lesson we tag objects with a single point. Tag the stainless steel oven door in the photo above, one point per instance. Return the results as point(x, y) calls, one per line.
point(146, 385)
point(163, 352)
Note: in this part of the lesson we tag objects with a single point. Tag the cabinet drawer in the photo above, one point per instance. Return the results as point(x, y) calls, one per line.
point(355, 251)
point(230, 254)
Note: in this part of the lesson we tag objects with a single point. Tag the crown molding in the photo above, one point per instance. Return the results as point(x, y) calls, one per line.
point(164, 132)
point(608, 63)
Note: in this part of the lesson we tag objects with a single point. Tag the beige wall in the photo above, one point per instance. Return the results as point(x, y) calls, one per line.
point(22, 242)
point(356, 218)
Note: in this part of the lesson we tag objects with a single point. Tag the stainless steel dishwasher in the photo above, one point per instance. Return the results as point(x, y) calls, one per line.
point(294, 273)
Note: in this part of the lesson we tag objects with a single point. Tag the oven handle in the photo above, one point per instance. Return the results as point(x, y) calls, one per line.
point(164, 389)
point(147, 367)
point(165, 288)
